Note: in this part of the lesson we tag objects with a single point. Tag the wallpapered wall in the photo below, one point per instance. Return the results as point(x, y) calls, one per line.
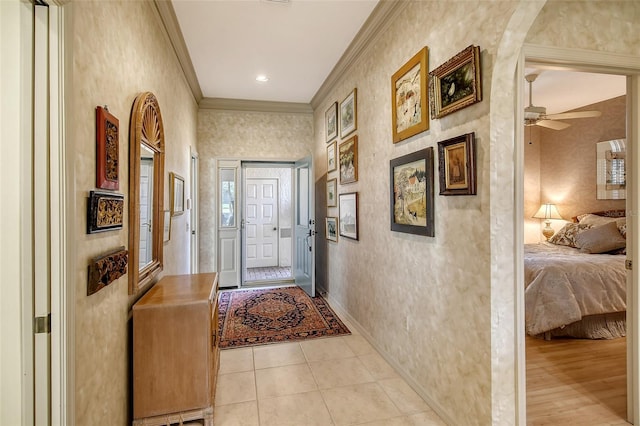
point(248, 136)
point(119, 50)
point(565, 164)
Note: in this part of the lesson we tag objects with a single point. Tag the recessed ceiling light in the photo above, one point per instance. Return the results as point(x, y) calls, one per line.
point(262, 78)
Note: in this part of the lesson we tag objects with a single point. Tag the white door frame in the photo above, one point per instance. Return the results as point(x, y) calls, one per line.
point(601, 62)
point(194, 238)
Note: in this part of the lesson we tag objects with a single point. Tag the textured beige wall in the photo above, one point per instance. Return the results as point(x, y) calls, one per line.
point(566, 161)
point(248, 136)
point(118, 51)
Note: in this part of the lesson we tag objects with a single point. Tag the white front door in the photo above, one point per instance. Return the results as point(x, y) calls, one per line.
point(304, 252)
point(146, 182)
point(261, 222)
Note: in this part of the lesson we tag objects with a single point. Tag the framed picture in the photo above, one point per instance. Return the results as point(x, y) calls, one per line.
point(107, 149)
point(457, 83)
point(349, 114)
point(409, 97)
point(106, 268)
point(176, 196)
point(331, 122)
point(349, 215)
point(332, 229)
point(611, 174)
point(332, 189)
point(348, 157)
point(331, 157)
point(105, 211)
point(167, 226)
point(457, 165)
point(411, 189)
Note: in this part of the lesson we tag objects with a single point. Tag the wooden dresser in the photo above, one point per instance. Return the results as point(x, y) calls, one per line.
point(175, 350)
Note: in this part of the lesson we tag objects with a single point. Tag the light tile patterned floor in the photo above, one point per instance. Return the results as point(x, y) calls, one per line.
point(268, 273)
point(324, 382)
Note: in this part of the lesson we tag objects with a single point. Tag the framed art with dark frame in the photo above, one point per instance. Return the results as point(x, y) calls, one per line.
point(457, 165)
point(457, 83)
point(331, 122)
point(107, 149)
point(348, 216)
point(105, 211)
point(331, 157)
point(411, 189)
point(332, 190)
point(348, 159)
point(332, 228)
point(349, 113)
point(409, 97)
point(176, 195)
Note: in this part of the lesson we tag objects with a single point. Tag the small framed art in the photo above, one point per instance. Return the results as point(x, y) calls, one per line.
point(457, 83)
point(166, 234)
point(107, 149)
point(457, 165)
point(348, 157)
point(332, 228)
point(411, 189)
point(332, 189)
point(331, 157)
point(177, 194)
point(349, 114)
point(348, 215)
point(409, 97)
point(331, 122)
point(106, 268)
point(105, 211)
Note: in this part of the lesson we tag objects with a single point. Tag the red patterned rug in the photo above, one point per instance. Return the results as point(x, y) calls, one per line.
point(275, 315)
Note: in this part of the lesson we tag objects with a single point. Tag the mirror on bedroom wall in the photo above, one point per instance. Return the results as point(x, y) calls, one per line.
point(146, 191)
point(611, 172)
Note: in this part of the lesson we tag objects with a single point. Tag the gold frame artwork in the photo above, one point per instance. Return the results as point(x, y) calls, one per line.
point(409, 97)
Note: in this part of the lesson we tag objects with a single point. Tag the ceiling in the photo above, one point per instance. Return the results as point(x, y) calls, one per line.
point(297, 44)
point(294, 43)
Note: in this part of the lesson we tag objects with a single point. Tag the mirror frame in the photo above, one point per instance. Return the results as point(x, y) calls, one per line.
point(146, 128)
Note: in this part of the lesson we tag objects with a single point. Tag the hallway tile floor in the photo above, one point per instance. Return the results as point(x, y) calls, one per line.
point(268, 273)
point(317, 382)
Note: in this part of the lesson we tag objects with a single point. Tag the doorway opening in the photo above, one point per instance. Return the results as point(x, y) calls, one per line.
point(267, 218)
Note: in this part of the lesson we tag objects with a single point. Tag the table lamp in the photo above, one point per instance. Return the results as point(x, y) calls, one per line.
point(547, 212)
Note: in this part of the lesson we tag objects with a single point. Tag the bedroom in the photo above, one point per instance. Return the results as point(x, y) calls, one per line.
point(560, 168)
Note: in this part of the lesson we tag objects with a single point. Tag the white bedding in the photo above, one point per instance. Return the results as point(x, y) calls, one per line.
point(563, 285)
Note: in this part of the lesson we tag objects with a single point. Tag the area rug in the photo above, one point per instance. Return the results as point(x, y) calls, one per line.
point(274, 315)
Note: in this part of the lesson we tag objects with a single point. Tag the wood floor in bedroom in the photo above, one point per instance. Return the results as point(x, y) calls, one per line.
point(576, 382)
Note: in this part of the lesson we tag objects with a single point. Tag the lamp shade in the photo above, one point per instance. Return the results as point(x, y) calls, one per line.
point(547, 211)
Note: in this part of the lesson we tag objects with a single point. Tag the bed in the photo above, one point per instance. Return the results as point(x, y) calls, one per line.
point(572, 287)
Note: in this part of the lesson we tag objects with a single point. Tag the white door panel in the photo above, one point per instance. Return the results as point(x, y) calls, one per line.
point(228, 231)
point(261, 222)
point(304, 272)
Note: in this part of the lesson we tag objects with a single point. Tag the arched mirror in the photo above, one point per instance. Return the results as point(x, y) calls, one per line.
point(146, 191)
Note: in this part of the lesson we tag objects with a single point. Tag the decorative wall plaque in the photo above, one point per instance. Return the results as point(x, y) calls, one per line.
point(105, 211)
point(107, 149)
point(107, 268)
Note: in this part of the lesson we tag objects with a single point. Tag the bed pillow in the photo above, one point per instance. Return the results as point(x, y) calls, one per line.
point(600, 239)
point(595, 220)
point(567, 235)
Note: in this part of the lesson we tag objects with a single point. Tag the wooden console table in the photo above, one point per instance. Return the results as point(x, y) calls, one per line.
point(175, 351)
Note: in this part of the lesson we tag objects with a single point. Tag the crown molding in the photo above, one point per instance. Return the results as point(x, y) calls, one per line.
point(172, 27)
point(382, 14)
point(255, 106)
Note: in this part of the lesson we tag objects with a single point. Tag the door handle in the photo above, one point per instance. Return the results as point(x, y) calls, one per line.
point(275, 229)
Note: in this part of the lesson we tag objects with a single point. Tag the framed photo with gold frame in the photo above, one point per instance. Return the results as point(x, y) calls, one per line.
point(332, 228)
point(332, 192)
point(457, 165)
point(409, 97)
point(176, 195)
point(349, 114)
point(331, 122)
point(457, 83)
point(348, 158)
point(107, 149)
point(332, 153)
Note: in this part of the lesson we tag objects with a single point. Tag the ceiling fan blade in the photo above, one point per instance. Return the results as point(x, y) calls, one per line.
point(577, 114)
point(555, 125)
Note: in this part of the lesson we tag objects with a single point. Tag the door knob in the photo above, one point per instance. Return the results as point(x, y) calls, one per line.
point(275, 229)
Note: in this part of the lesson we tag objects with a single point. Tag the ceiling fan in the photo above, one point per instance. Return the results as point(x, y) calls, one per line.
point(537, 116)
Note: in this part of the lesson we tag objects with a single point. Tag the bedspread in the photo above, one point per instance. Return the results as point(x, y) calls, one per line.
point(562, 285)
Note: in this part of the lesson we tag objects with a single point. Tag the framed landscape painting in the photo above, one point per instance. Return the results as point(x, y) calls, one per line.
point(331, 122)
point(332, 189)
point(411, 181)
point(331, 157)
point(348, 156)
point(349, 215)
point(332, 228)
point(457, 165)
point(409, 98)
point(349, 114)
